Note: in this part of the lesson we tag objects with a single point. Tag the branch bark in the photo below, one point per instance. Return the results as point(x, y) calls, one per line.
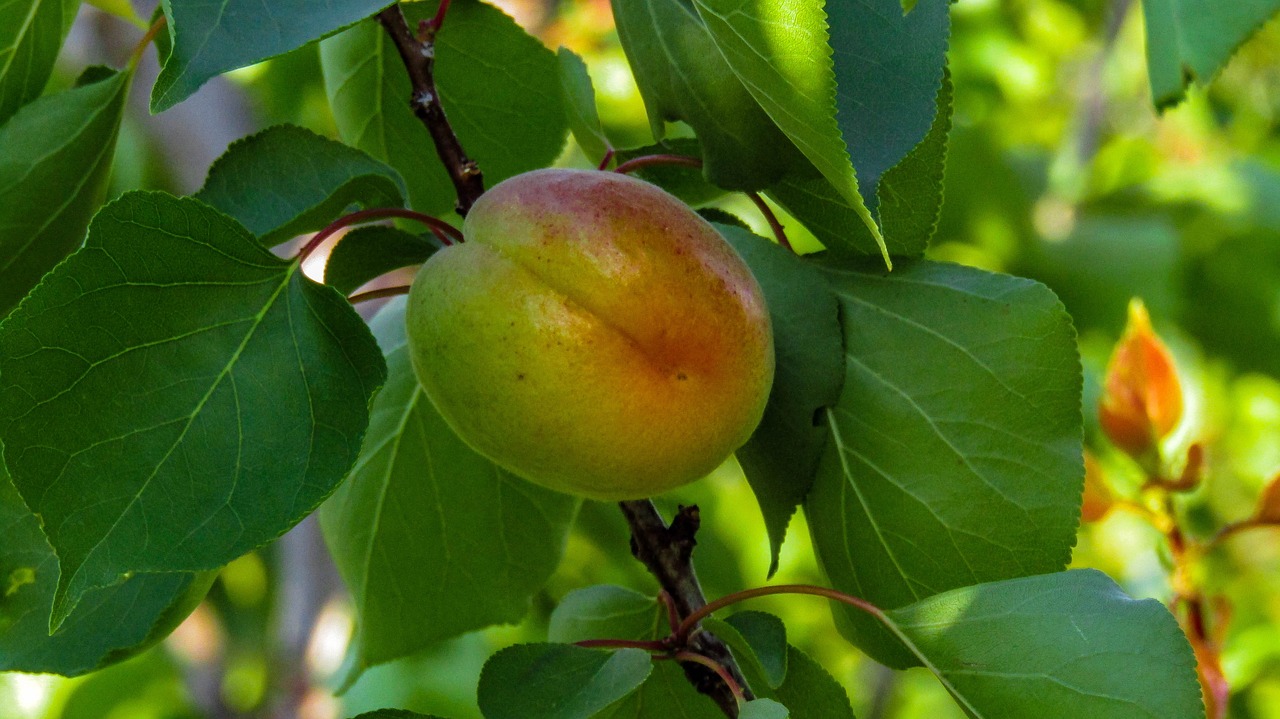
point(419, 57)
point(667, 551)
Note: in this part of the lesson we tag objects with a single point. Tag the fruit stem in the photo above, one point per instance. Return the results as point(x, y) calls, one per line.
point(608, 157)
point(637, 163)
point(647, 645)
point(432, 26)
point(378, 294)
point(718, 668)
point(778, 232)
point(152, 31)
point(418, 57)
point(691, 621)
point(447, 233)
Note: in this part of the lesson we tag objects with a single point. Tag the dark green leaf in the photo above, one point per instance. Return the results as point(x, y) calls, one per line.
point(174, 395)
point(558, 681)
point(666, 694)
point(682, 76)
point(785, 61)
point(606, 611)
point(580, 105)
point(762, 677)
point(889, 67)
point(210, 38)
point(463, 543)
point(285, 181)
point(763, 709)
point(499, 86)
point(687, 183)
point(30, 36)
point(55, 159)
point(910, 198)
point(766, 635)
point(1194, 38)
point(1058, 646)
point(108, 625)
point(781, 458)
point(956, 444)
point(369, 252)
point(810, 692)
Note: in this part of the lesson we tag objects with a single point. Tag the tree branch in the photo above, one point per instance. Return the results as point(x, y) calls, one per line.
point(419, 57)
point(668, 554)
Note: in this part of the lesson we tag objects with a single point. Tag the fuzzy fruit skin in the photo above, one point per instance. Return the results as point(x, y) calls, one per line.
point(593, 335)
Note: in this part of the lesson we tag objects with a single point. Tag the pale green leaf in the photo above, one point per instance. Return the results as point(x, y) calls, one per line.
point(763, 709)
point(1057, 646)
point(174, 395)
point(781, 53)
point(432, 539)
point(682, 76)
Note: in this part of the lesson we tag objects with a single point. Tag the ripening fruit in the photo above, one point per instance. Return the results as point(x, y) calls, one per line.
point(593, 335)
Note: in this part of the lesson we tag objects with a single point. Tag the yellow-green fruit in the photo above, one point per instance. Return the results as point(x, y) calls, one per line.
point(593, 335)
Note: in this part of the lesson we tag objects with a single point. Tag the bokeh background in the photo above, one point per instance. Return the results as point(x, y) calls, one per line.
point(1059, 169)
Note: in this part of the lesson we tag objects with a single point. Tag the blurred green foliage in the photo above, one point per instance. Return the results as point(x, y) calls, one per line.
point(1060, 170)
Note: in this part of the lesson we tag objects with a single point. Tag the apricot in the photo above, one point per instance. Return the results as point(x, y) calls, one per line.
point(593, 335)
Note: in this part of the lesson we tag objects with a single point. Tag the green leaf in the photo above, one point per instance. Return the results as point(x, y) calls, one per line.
point(1194, 39)
point(417, 503)
point(766, 635)
point(761, 656)
point(781, 53)
point(580, 105)
point(109, 625)
point(210, 38)
point(889, 67)
point(30, 37)
point(369, 252)
point(285, 181)
point(174, 395)
point(55, 160)
point(763, 709)
point(910, 198)
point(1058, 646)
point(781, 458)
point(558, 681)
point(682, 76)
point(666, 694)
point(605, 611)
point(956, 452)
point(499, 87)
point(810, 692)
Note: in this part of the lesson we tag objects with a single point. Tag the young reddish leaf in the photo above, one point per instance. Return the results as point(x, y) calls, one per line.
point(1269, 503)
point(1142, 397)
point(1097, 494)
